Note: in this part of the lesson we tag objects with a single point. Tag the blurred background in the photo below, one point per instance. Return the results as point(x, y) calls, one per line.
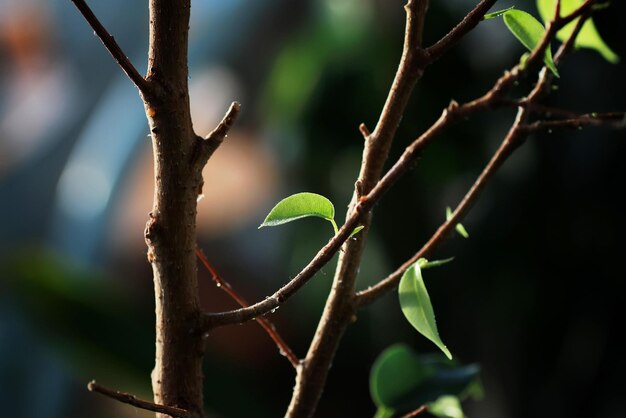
point(536, 296)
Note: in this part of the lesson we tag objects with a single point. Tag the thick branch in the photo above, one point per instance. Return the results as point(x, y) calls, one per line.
point(177, 378)
point(139, 403)
point(111, 45)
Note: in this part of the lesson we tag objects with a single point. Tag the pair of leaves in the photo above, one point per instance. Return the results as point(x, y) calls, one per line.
point(459, 227)
point(303, 205)
point(529, 31)
point(401, 381)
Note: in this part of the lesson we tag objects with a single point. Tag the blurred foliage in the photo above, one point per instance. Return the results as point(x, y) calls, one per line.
point(535, 295)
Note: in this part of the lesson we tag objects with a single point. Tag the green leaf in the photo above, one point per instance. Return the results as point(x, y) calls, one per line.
point(300, 205)
point(356, 231)
point(498, 13)
point(588, 37)
point(446, 407)
point(416, 306)
point(529, 32)
point(459, 227)
point(401, 380)
point(425, 264)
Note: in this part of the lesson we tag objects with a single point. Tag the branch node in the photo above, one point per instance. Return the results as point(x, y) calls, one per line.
point(364, 131)
point(358, 189)
point(205, 147)
point(221, 130)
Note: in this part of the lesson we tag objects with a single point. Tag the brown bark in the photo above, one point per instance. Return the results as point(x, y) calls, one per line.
point(171, 230)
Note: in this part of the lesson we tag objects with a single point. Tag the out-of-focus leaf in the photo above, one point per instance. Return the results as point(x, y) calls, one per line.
point(383, 412)
point(446, 407)
point(401, 380)
point(395, 375)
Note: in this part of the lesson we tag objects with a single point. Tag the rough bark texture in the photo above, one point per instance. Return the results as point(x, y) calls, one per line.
point(171, 230)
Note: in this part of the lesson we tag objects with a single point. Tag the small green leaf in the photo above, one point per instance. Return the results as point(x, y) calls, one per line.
point(498, 13)
point(447, 406)
point(356, 231)
point(529, 32)
point(588, 37)
point(461, 230)
point(459, 227)
point(300, 205)
point(425, 264)
point(416, 306)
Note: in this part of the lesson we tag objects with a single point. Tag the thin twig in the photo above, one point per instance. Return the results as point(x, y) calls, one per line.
point(364, 131)
point(238, 316)
point(139, 403)
point(418, 411)
point(548, 111)
point(221, 130)
point(614, 119)
point(205, 147)
point(371, 294)
point(111, 45)
point(468, 23)
point(269, 327)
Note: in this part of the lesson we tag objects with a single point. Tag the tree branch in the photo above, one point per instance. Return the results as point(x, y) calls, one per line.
point(238, 316)
point(263, 322)
point(513, 139)
point(139, 403)
point(339, 309)
point(391, 115)
point(468, 23)
point(615, 120)
point(205, 147)
point(111, 45)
